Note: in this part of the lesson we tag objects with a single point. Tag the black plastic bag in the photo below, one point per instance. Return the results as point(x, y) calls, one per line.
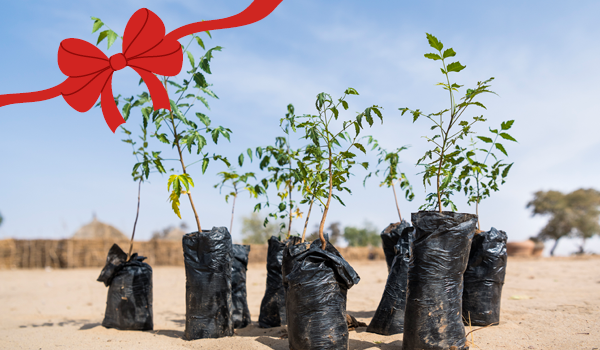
point(389, 317)
point(389, 239)
point(208, 303)
point(129, 300)
point(241, 313)
point(316, 287)
point(484, 278)
point(272, 307)
point(440, 251)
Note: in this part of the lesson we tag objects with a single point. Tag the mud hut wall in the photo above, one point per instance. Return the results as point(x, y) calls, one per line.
point(78, 253)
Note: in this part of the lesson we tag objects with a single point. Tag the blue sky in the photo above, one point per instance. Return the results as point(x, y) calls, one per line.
point(59, 166)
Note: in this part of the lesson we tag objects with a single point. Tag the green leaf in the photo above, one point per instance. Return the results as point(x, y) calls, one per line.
point(203, 118)
point(449, 53)
point(485, 139)
point(200, 80)
point(345, 105)
point(191, 58)
point(506, 170)
point(200, 42)
point(501, 148)
point(433, 56)
point(112, 36)
point(241, 159)
point(507, 124)
point(351, 91)
point(204, 164)
point(434, 42)
point(101, 37)
point(455, 67)
point(507, 137)
point(360, 147)
point(97, 25)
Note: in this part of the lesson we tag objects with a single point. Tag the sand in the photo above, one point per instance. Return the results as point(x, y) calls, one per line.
point(547, 303)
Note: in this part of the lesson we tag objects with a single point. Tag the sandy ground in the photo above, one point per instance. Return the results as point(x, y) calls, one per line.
point(546, 304)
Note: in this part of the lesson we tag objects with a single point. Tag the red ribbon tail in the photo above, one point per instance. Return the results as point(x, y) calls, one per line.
point(26, 97)
point(111, 113)
point(160, 98)
point(257, 10)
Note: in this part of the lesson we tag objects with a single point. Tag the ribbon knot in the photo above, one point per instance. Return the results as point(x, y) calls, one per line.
point(146, 50)
point(117, 61)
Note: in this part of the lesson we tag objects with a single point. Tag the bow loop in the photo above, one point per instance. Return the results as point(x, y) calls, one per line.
point(77, 58)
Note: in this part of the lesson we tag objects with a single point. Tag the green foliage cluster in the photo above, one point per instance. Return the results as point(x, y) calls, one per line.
point(363, 236)
point(176, 127)
point(441, 162)
point(328, 160)
point(254, 231)
point(574, 214)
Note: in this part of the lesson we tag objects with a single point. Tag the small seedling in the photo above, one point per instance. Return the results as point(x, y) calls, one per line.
point(444, 158)
point(237, 183)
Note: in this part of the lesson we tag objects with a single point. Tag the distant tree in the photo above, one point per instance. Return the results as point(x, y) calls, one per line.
point(1, 219)
point(254, 232)
point(362, 237)
point(334, 231)
point(575, 214)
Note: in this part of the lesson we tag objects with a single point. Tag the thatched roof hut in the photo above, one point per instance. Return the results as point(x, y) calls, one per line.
point(99, 230)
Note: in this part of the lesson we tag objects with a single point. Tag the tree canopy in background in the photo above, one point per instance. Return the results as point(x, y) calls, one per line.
point(362, 237)
point(254, 232)
point(576, 214)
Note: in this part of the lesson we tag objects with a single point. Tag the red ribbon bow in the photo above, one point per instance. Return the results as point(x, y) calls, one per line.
point(146, 50)
point(90, 71)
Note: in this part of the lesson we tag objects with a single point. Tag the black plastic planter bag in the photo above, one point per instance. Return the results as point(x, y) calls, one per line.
point(389, 317)
point(389, 239)
point(272, 307)
point(440, 251)
point(484, 278)
point(241, 313)
point(129, 301)
point(316, 288)
point(208, 259)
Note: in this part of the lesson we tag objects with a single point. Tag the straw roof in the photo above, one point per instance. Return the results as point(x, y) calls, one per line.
point(99, 230)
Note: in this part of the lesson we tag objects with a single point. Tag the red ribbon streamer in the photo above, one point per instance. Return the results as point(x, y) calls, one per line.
point(146, 50)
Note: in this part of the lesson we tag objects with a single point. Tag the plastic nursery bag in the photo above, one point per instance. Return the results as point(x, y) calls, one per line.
point(272, 307)
point(241, 313)
point(129, 300)
point(208, 302)
point(389, 239)
point(440, 251)
point(484, 278)
point(316, 283)
point(389, 317)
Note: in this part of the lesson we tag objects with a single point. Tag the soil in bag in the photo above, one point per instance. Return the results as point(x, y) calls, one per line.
point(389, 317)
point(484, 278)
point(129, 300)
point(241, 313)
point(316, 283)
point(440, 251)
point(272, 307)
point(389, 239)
point(208, 302)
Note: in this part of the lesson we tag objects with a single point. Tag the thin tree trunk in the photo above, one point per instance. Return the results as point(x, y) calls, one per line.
point(291, 208)
point(183, 166)
point(306, 222)
point(322, 226)
point(396, 199)
point(477, 212)
point(554, 247)
point(232, 211)
point(136, 219)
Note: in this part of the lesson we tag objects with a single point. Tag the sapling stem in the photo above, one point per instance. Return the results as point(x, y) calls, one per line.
point(176, 136)
point(136, 218)
point(233, 207)
point(322, 226)
point(306, 222)
point(396, 199)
